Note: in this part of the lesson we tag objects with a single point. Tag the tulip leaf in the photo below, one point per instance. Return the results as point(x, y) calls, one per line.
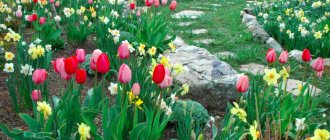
point(31, 123)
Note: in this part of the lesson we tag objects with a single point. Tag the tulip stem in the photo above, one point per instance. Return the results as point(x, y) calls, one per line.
point(257, 113)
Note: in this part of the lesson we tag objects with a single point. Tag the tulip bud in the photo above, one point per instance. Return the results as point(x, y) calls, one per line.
point(90, 1)
point(138, 13)
point(123, 51)
point(136, 89)
point(164, 2)
point(57, 4)
point(125, 74)
point(306, 55)
point(103, 63)
point(242, 84)
point(283, 57)
point(39, 76)
point(173, 5)
point(19, 14)
point(158, 74)
point(70, 65)
point(271, 56)
point(34, 17)
point(81, 76)
point(81, 55)
point(318, 64)
point(95, 56)
point(156, 3)
point(35, 1)
point(149, 3)
point(42, 20)
point(51, 1)
point(132, 5)
point(36, 95)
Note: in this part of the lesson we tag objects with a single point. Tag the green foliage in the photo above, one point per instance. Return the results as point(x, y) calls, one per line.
point(198, 112)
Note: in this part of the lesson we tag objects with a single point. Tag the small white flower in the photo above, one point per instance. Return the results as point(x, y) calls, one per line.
point(106, 20)
point(9, 67)
point(26, 69)
point(116, 39)
point(23, 43)
point(57, 18)
point(114, 13)
point(113, 88)
point(324, 115)
point(37, 41)
point(48, 47)
point(163, 105)
point(169, 111)
point(300, 125)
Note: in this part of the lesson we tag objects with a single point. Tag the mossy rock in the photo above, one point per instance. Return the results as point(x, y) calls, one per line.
point(185, 107)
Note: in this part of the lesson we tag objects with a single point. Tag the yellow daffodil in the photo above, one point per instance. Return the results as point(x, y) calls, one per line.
point(288, 11)
point(44, 108)
point(172, 46)
point(239, 112)
point(178, 69)
point(253, 131)
point(271, 76)
point(318, 35)
point(9, 56)
point(138, 103)
point(152, 51)
point(326, 28)
point(185, 89)
point(133, 99)
point(320, 134)
point(84, 131)
point(141, 49)
point(284, 73)
point(164, 61)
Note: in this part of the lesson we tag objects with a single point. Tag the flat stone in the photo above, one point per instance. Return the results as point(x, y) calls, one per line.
point(179, 42)
point(185, 23)
point(272, 43)
point(226, 55)
point(188, 14)
point(327, 64)
point(253, 68)
point(296, 54)
point(211, 81)
point(292, 87)
point(204, 41)
point(199, 31)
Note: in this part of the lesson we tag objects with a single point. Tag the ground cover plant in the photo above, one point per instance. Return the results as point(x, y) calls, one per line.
point(123, 87)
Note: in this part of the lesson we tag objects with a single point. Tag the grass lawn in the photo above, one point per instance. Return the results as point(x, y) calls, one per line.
point(230, 35)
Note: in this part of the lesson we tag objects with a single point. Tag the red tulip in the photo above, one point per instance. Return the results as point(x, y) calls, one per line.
point(132, 5)
point(136, 89)
point(103, 63)
point(156, 3)
point(95, 56)
point(283, 57)
point(306, 55)
point(42, 20)
point(167, 80)
point(271, 56)
point(81, 55)
point(318, 64)
point(242, 84)
point(35, 1)
point(164, 2)
point(158, 74)
point(71, 65)
point(173, 5)
point(125, 74)
point(123, 51)
point(34, 17)
point(39, 76)
point(81, 76)
point(36, 95)
point(149, 3)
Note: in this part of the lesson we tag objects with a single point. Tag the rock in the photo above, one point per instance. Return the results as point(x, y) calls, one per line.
point(327, 64)
point(212, 82)
point(226, 55)
point(259, 33)
point(185, 23)
point(179, 42)
point(292, 87)
point(204, 41)
point(188, 14)
point(296, 54)
point(199, 31)
point(272, 43)
point(255, 69)
point(247, 17)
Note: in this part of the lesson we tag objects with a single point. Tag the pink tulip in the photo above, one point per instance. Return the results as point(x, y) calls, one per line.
point(90, 1)
point(42, 20)
point(51, 1)
point(242, 84)
point(36, 95)
point(81, 55)
point(318, 64)
point(271, 55)
point(138, 13)
point(136, 89)
point(39, 76)
point(123, 51)
point(156, 3)
point(57, 4)
point(95, 56)
point(19, 13)
point(173, 5)
point(167, 80)
point(283, 57)
point(59, 68)
point(319, 74)
point(164, 2)
point(125, 74)
point(29, 18)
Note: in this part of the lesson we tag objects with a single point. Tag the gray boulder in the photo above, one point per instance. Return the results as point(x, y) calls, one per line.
point(211, 82)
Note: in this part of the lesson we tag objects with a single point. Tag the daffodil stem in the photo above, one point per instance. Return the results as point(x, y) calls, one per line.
point(257, 112)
